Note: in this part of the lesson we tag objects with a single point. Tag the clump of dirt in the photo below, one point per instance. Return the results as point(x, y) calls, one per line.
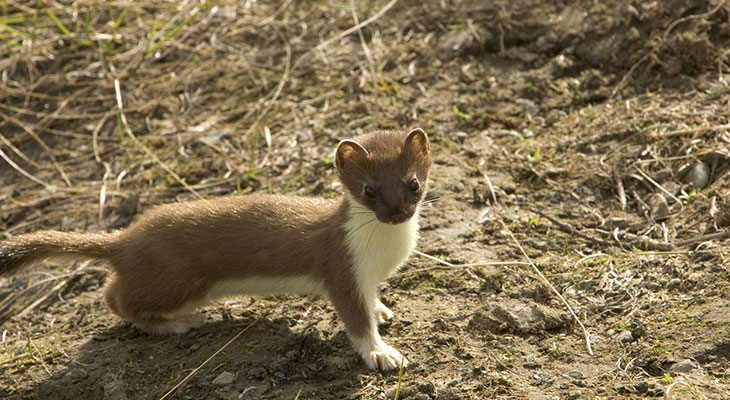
point(595, 134)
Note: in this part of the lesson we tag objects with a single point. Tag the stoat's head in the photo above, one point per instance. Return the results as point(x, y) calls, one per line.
point(386, 171)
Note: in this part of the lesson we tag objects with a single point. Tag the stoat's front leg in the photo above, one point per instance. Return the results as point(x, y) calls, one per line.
point(359, 315)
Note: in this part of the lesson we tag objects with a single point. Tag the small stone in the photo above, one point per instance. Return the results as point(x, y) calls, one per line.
point(224, 379)
point(447, 394)
point(427, 388)
point(574, 395)
point(658, 207)
point(617, 222)
point(214, 137)
point(684, 366)
point(455, 42)
point(699, 176)
point(625, 337)
point(674, 283)
point(405, 392)
point(258, 373)
point(641, 387)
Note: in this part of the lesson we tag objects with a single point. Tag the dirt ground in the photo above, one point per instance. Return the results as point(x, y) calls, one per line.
point(591, 138)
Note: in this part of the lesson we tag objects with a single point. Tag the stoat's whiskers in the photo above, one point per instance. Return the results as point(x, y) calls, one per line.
point(368, 222)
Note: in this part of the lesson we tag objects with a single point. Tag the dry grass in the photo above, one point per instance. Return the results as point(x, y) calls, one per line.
point(197, 81)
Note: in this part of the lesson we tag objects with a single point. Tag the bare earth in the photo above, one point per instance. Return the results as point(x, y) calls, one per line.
point(596, 133)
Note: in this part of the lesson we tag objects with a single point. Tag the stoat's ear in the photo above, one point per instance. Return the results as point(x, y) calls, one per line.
point(349, 153)
point(417, 143)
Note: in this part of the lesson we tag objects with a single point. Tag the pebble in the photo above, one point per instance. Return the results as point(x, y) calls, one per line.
point(699, 176)
point(684, 366)
point(574, 395)
point(625, 337)
point(225, 378)
point(257, 373)
point(658, 207)
point(641, 387)
point(674, 283)
point(427, 388)
point(405, 392)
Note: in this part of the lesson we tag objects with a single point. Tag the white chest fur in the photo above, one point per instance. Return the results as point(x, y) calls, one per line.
point(377, 248)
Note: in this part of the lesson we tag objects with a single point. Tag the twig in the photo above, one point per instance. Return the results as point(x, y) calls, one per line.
point(660, 187)
point(711, 236)
point(27, 174)
point(438, 260)
point(586, 334)
point(690, 17)
point(646, 56)
point(40, 356)
point(271, 17)
point(458, 266)
point(81, 270)
point(40, 141)
point(637, 241)
point(196, 369)
point(365, 49)
point(131, 134)
point(621, 192)
point(95, 135)
point(588, 257)
point(491, 188)
point(282, 81)
point(358, 26)
point(572, 231)
point(102, 194)
point(680, 132)
point(445, 265)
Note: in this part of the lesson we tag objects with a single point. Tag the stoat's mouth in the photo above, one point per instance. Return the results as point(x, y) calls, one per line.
point(396, 219)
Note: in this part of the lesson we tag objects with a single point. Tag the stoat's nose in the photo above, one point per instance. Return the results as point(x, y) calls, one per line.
point(399, 217)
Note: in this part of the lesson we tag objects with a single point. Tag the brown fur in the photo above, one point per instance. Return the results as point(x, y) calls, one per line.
point(175, 253)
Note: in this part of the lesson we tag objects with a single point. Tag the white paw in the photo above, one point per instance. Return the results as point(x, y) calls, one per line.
point(382, 313)
point(385, 358)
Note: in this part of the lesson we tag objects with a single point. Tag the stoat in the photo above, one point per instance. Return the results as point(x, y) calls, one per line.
point(179, 257)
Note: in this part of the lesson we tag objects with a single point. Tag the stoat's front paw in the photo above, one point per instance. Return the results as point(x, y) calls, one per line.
point(384, 358)
point(382, 313)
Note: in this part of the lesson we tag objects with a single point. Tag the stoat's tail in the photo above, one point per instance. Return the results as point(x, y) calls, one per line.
point(21, 250)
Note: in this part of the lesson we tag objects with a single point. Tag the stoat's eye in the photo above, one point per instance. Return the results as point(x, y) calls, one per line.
point(368, 191)
point(413, 185)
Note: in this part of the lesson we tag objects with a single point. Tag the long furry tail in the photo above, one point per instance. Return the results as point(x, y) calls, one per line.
point(21, 250)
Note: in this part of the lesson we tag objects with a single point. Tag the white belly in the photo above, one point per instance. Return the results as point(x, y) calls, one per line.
point(262, 286)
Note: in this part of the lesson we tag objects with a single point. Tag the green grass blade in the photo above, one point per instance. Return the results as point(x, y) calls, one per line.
point(14, 31)
point(61, 27)
point(292, 181)
point(400, 378)
point(172, 33)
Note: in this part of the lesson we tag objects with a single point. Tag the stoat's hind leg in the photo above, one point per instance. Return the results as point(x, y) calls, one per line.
point(136, 307)
point(162, 325)
point(382, 313)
